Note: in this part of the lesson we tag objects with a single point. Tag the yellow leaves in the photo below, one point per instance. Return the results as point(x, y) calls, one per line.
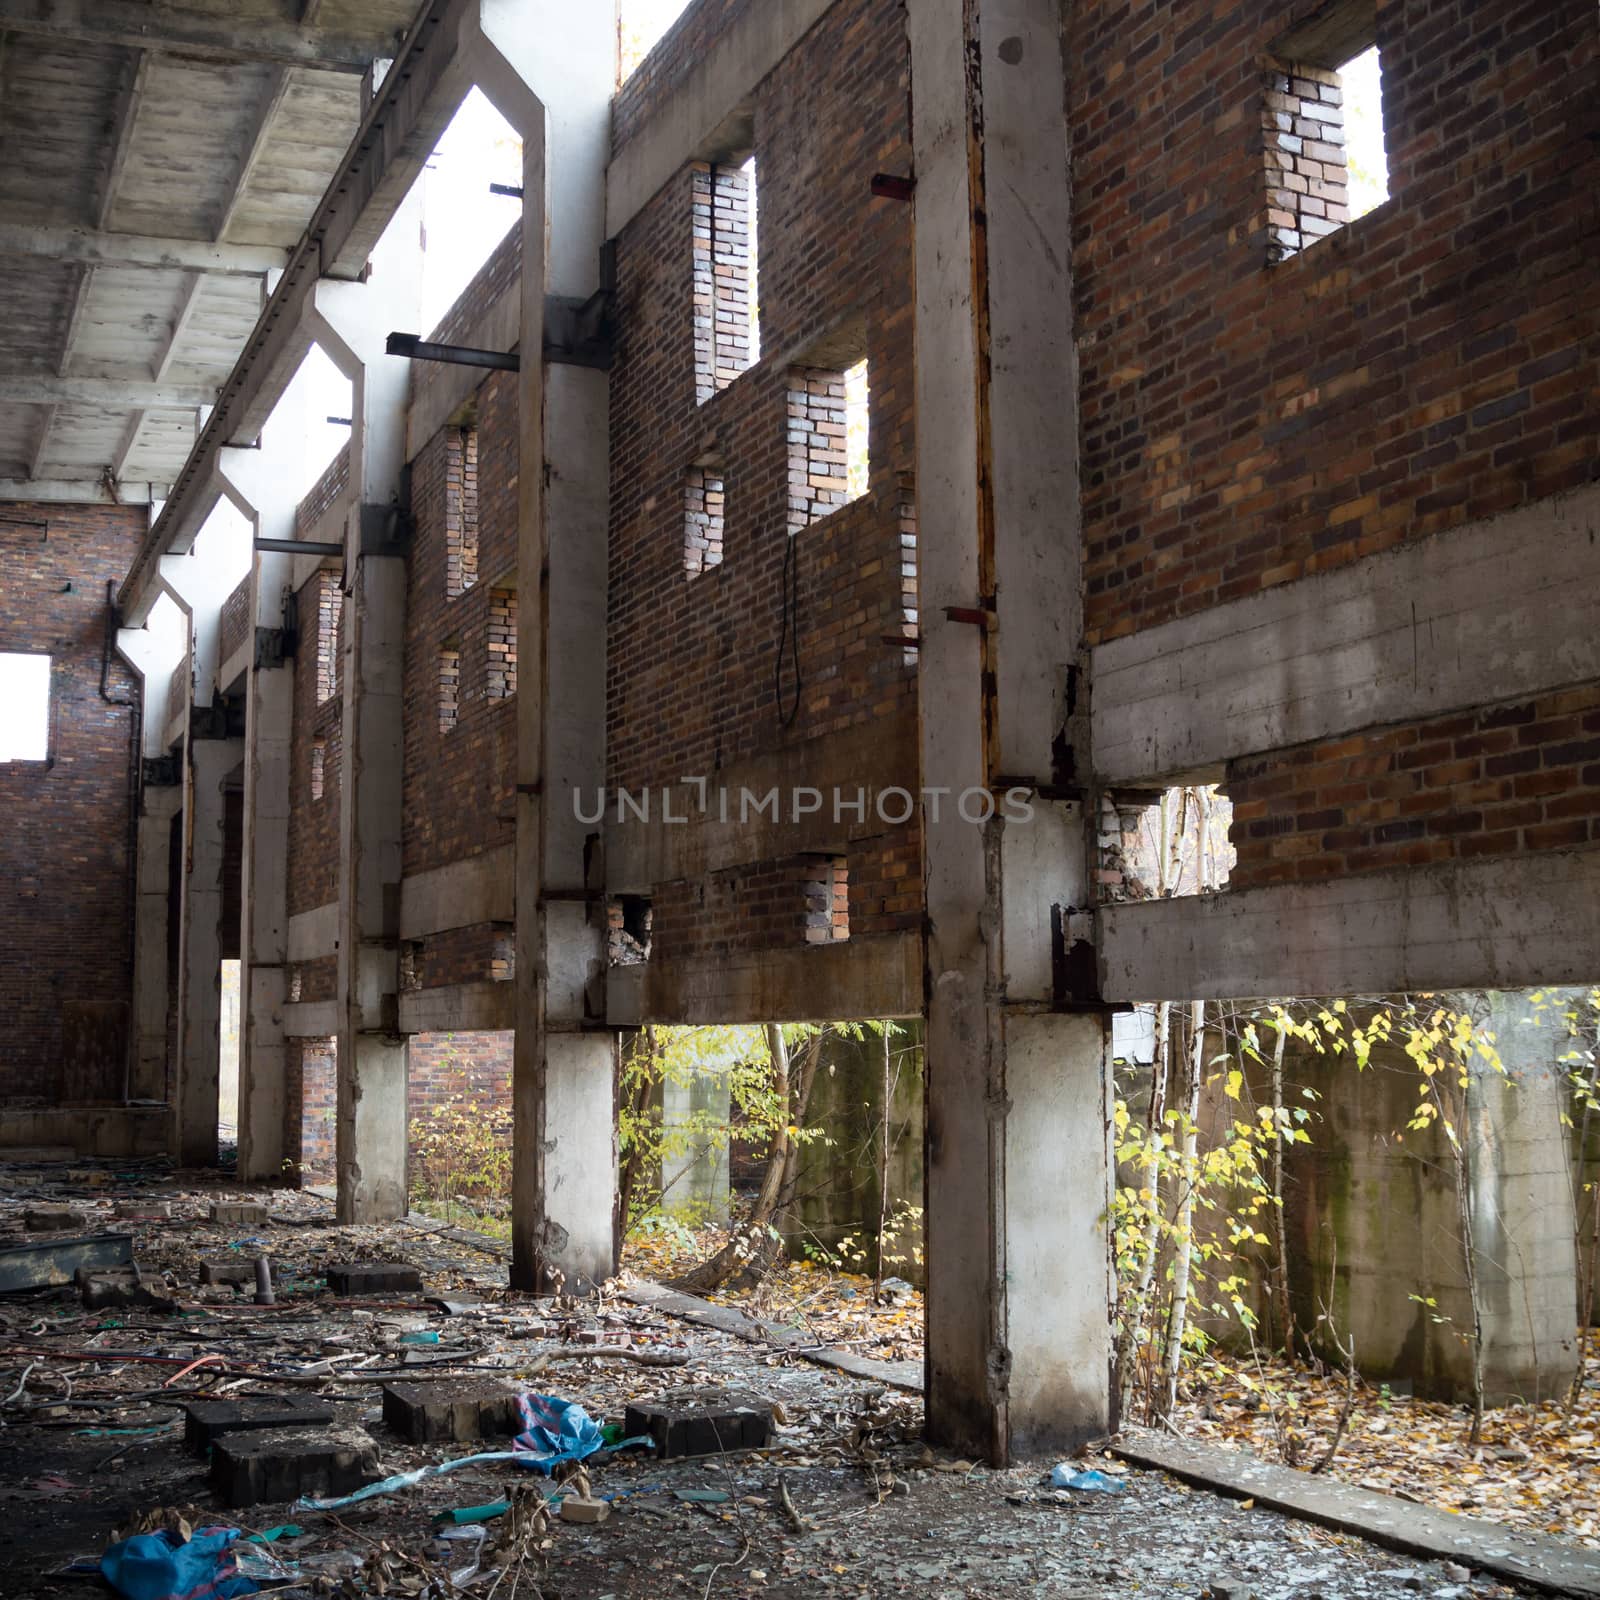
point(1234, 1084)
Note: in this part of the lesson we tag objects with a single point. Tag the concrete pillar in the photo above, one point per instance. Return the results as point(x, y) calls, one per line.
point(351, 322)
point(548, 68)
point(147, 1078)
point(262, 483)
point(200, 952)
point(1018, 1175)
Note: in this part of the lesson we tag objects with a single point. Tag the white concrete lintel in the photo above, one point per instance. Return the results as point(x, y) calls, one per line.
point(1507, 922)
point(461, 895)
point(314, 935)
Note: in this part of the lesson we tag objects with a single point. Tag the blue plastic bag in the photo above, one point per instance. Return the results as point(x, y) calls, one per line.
point(555, 1430)
point(155, 1566)
point(1063, 1477)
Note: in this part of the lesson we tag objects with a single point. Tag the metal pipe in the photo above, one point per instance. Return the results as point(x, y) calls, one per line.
point(456, 355)
point(298, 547)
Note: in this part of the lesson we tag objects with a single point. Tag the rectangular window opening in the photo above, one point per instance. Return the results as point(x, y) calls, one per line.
point(461, 511)
point(330, 614)
point(319, 756)
point(629, 922)
point(828, 416)
point(1322, 117)
point(727, 318)
point(24, 707)
point(502, 684)
point(827, 900)
point(503, 955)
point(704, 510)
point(449, 686)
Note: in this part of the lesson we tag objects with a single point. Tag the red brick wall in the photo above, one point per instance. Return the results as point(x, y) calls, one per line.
point(312, 1108)
point(670, 61)
point(459, 786)
point(65, 979)
point(334, 481)
point(236, 627)
point(314, 824)
point(1246, 423)
point(1486, 783)
point(475, 1066)
point(691, 671)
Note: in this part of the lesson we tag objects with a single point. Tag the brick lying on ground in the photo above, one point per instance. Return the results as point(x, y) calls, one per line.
point(378, 1277)
point(701, 1427)
point(273, 1465)
point(142, 1210)
point(206, 1421)
point(426, 1413)
point(238, 1213)
point(1541, 1563)
point(52, 1219)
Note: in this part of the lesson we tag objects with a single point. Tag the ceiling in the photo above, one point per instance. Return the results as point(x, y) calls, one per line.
point(157, 161)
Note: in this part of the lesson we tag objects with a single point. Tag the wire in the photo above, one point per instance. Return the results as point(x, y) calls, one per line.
point(789, 632)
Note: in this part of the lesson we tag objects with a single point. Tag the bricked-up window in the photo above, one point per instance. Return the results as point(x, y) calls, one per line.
point(827, 891)
point(704, 506)
point(449, 686)
point(461, 511)
point(1322, 118)
point(502, 683)
point(24, 707)
point(330, 607)
point(727, 332)
point(319, 757)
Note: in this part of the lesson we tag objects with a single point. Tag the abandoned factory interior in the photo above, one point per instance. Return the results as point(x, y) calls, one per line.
point(799, 798)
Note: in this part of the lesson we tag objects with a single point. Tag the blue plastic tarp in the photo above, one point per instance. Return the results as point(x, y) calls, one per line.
point(155, 1566)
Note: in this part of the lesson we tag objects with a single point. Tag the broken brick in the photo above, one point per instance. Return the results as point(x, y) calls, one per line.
point(272, 1465)
point(237, 1271)
point(238, 1213)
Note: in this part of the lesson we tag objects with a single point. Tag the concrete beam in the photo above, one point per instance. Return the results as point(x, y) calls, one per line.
point(254, 144)
point(1018, 1174)
point(77, 491)
point(1502, 609)
point(691, 123)
point(459, 1008)
point(858, 980)
point(314, 935)
point(464, 894)
point(115, 394)
point(210, 36)
point(1509, 922)
point(311, 1019)
point(93, 248)
point(136, 77)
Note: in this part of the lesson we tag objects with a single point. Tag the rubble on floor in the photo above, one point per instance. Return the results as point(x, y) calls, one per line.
point(162, 1426)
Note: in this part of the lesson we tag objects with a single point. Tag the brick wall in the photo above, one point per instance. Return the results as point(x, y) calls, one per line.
point(474, 1066)
point(236, 628)
point(65, 980)
point(312, 1103)
point(692, 685)
point(314, 823)
point(671, 60)
point(1492, 782)
point(459, 783)
point(1244, 422)
point(334, 482)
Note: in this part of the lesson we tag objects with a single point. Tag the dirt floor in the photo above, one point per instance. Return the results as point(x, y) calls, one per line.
point(847, 1501)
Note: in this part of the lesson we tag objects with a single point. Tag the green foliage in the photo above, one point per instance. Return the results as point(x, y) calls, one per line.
point(461, 1151)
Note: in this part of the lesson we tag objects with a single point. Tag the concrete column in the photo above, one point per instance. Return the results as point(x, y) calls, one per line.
point(548, 69)
point(351, 322)
point(200, 952)
point(1018, 1175)
point(262, 483)
point(147, 1079)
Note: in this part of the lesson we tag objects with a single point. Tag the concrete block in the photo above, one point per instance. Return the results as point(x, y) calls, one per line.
point(426, 1413)
point(576, 1509)
point(378, 1277)
point(239, 1270)
point(206, 1421)
point(143, 1210)
point(238, 1213)
point(52, 1219)
point(272, 1465)
point(701, 1428)
point(119, 1288)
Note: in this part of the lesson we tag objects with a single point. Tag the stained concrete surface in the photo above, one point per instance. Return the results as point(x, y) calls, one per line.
point(880, 1515)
